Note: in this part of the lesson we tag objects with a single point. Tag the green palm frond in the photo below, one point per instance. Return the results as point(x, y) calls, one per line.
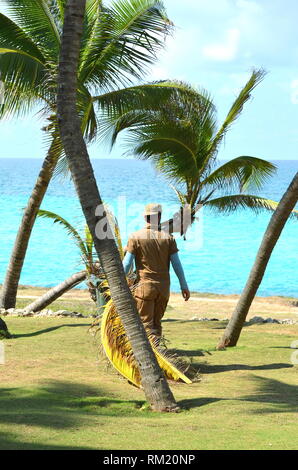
point(236, 108)
point(57, 8)
point(240, 173)
point(124, 42)
point(89, 242)
point(22, 69)
point(228, 204)
point(89, 121)
point(168, 122)
point(24, 85)
point(134, 107)
point(145, 97)
point(70, 229)
point(181, 197)
point(12, 37)
point(37, 21)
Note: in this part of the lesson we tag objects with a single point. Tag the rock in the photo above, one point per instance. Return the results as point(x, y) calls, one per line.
point(28, 314)
point(63, 313)
point(45, 313)
point(271, 320)
point(52, 314)
point(256, 320)
point(79, 315)
point(10, 311)
point(288, 321)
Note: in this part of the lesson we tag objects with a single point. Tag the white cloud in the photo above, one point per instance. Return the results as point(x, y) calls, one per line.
point(226, 51)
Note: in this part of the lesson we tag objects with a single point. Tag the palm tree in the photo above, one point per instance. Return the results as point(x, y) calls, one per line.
point(271, 236)
point(154, 383)
point(182, 139)
point(4, 333)
point(119, 43)
point(85, 247)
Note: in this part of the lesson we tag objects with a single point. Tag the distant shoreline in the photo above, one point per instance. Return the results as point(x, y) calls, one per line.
point(196, 294)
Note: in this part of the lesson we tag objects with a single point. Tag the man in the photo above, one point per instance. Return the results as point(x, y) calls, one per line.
point(153, 250)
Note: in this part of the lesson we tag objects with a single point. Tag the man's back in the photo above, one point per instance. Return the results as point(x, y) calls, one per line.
point(152, 249)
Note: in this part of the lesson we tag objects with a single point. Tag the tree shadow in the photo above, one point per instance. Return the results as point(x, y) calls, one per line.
point(189, 352)
point(46, 330)
point(57, 405)
point(12, 441)
point(206, 368)
point(284, 396)
point(198, 402)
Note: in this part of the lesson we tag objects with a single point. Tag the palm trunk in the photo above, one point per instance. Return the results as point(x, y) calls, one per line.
point(4, 333)
point(272, 234)
point(154, 383)
point(13, 273)
point(56, 292)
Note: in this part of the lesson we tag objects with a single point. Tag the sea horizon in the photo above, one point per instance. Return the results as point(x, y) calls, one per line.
point(219, 261)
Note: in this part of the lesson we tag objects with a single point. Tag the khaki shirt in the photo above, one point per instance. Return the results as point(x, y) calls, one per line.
point(152, 249)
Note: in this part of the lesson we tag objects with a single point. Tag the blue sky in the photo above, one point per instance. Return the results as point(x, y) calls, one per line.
point(215, 45)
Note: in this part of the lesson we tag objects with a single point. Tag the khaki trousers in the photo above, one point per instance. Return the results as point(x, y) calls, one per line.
point(152, 300)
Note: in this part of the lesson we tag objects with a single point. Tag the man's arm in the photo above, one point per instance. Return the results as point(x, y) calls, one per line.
point(177, 266)
point(128, 262)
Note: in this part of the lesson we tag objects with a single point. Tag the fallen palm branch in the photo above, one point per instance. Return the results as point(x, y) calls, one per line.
point(118, 350)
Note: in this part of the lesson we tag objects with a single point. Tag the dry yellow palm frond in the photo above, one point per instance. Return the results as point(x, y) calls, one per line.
point(118, 350)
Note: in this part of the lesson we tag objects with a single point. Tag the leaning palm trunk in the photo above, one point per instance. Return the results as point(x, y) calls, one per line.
point(154, 382)
point(4, 333)
point(13, 273)
point(56, 292)
point(272, 234)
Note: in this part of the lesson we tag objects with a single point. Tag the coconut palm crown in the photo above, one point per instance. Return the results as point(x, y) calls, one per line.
point(182, 139)
point(120, 41)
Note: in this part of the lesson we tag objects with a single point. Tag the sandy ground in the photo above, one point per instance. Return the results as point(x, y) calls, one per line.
point(200, 304)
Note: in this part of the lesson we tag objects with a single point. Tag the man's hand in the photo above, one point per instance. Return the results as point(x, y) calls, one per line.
point(186, 294)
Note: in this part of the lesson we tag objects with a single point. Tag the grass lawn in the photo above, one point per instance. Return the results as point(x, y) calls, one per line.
point(57, 392)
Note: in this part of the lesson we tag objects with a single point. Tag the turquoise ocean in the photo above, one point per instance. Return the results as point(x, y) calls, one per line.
point(217, 256)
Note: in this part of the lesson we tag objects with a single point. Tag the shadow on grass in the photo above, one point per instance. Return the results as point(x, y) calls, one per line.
point(198, 402)
point(283, 396)
point(206, 368)
point(189, 352)
point(46, 330)
point(61, 406)
point(11, 441)
point(279, 397)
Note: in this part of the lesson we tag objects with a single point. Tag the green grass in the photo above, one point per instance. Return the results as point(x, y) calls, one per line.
point(57, 392)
